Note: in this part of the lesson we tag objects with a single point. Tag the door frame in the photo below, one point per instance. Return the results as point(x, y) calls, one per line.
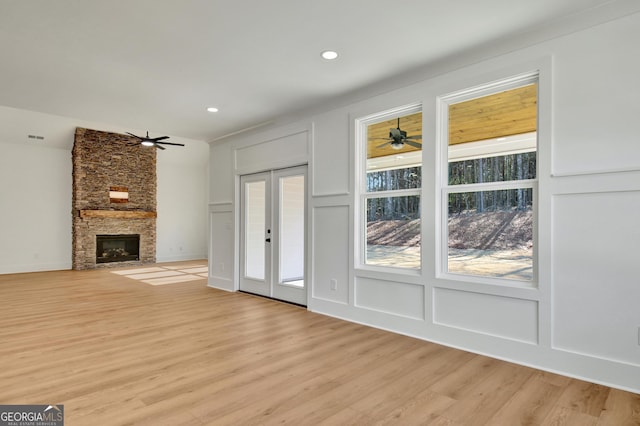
point(271, 271)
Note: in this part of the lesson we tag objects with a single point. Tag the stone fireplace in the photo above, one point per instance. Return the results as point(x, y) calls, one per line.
point(114, 200)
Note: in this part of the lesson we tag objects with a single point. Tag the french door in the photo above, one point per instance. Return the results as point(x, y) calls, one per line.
point(273, 234)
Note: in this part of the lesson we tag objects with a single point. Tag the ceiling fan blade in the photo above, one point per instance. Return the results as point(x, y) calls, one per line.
point(133, 143)
point(170, 143)
point(414, 137)
point(384, 144)
point(159, 138)
point(413, 144)
point(131, 134)
point(160, 147)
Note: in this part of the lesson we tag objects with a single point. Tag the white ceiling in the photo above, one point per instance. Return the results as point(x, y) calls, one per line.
point(157, 65)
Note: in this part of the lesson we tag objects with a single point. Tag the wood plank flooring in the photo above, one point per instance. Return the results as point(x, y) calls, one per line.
point(117, 351)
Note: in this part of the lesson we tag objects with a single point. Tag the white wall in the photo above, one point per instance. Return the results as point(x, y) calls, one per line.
point(35, 199)
point(183, 174)
point(35, 208)
point(582, 317)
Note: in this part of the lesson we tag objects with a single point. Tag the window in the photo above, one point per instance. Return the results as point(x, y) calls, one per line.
point(390, 182)
point(489, 191)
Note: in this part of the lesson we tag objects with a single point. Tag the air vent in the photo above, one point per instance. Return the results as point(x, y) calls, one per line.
point(35, 137)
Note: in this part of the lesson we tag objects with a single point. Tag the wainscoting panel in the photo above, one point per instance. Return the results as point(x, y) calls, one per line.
point(511, 318)
point(330, 253)
point(596, 288)
point(402, 299)
point(221, 265)
point(331, 154)
point(285, 151)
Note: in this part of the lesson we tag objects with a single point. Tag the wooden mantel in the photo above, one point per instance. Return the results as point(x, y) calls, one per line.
point(119, 214)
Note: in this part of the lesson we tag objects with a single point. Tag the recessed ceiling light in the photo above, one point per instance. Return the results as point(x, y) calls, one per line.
point(213, 109)
point(329, 54)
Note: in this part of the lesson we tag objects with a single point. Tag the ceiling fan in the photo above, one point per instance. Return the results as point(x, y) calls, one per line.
point(397, 138)
point(147, 141)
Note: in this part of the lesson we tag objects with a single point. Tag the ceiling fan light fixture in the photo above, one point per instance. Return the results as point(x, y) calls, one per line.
point(158, 142)
point(397, 145)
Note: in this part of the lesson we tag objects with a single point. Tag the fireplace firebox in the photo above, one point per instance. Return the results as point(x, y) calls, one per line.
point(117, 248)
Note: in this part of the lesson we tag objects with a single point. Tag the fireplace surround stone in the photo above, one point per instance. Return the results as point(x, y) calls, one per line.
point(102, 161)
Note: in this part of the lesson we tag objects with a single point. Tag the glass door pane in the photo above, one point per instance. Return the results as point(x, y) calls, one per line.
point(255, 229)
point(292, 230)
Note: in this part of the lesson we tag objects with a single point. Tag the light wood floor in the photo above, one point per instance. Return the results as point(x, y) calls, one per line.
point(116, 351)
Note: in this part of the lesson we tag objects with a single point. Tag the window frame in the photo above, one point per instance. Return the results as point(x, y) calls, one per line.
point(362, 195)
point(444, 188)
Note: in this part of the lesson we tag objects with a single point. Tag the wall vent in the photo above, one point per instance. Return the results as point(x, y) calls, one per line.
point(35, 137)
